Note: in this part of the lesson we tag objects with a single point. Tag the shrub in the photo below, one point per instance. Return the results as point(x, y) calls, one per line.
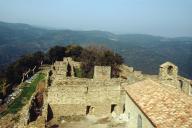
point(101, 56)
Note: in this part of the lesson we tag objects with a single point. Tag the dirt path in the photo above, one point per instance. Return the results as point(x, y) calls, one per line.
point(93, 122)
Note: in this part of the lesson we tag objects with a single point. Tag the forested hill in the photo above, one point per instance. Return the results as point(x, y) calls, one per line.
point(144, 52)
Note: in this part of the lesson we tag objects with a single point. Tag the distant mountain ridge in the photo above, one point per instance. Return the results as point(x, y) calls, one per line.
point(144, 52)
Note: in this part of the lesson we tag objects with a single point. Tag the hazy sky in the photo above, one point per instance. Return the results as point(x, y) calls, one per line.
point(157, 17)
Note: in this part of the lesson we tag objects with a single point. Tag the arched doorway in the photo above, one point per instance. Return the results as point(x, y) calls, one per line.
point(68, 70)
point(170, 70)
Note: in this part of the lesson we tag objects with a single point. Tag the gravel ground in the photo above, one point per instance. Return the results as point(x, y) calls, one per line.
point(92, 122)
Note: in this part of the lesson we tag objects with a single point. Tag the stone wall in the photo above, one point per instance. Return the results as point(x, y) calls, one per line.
point(168, 75)
point(74, 96)
point(63, 67)
point(71, 96)
point(185, 85)
point(168, 71)
point(130, 74)
point(81, 96)
point(138, 74)
point(24, 113)
point(102, 72)
point(59, 68)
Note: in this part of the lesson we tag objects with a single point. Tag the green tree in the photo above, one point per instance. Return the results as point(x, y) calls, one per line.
point(56, 53)
point(101, 56)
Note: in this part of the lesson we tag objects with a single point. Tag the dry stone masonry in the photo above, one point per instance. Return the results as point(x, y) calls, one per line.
point(67, 95)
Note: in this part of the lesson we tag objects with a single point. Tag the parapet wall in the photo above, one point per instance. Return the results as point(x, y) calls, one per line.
point(102, 73)
point(185, 85)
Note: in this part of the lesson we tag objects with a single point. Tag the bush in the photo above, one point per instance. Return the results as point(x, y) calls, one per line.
point(15, 70)
point(89, 56)
point(56, 53)
point(101, 56)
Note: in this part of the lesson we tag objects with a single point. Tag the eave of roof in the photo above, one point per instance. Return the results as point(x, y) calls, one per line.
point(165, 106)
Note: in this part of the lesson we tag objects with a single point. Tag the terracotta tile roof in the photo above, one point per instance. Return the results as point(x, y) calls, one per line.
point(165, 106)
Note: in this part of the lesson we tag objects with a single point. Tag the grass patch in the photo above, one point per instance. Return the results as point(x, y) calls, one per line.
point(78, 72)
point(26, 94)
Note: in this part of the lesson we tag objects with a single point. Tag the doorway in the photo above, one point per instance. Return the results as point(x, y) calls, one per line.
point(88, 110)
point(113, 107)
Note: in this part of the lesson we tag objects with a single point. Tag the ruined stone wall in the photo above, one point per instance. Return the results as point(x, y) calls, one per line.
point(80, 96)
point(24, 113)
point(71, 96)
point(61, 67)
point(102, 72)
point(74, 95)
point(138, 74)
point(71, 62)
point(130, 74)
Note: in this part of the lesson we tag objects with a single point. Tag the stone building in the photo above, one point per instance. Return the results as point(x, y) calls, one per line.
point(168, 74)
point(82, 96)
point(168, 71)
point(145, 101)
point(149, 104)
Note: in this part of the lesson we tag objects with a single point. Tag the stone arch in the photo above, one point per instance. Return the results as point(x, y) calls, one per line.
point(170, 70)
point(139, 121)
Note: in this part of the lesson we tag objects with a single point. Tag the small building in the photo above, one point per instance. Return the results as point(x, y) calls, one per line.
point(149, 104)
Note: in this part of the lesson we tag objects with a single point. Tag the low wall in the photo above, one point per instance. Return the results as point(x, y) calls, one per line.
point(73, 98)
